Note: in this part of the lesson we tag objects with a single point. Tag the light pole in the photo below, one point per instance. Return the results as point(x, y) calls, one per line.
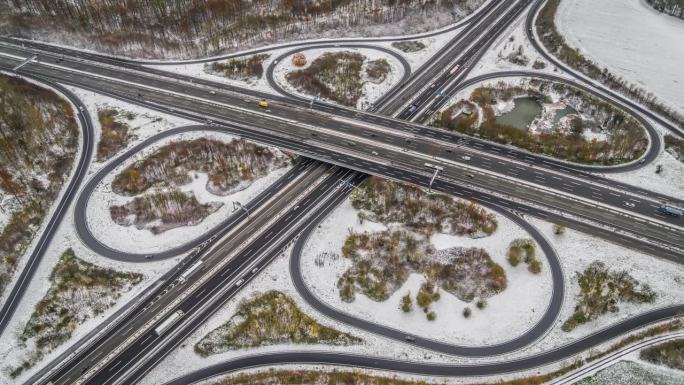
point(434, 176)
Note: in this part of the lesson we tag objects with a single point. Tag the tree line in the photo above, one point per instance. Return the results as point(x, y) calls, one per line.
point(197, 27)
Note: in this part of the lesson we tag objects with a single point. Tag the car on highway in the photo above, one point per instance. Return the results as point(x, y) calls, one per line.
point(212, 92)
point(412, 108)
point(465, 157)
point(239, 282)
point(263, 103)
point(629, 204)
point(410, 339)
point(471, 176)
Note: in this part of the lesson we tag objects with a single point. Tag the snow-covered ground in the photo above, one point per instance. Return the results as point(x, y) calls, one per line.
point(129, 238)
point(495, 59)
point(632, 40)
point(198, 70)
point(274, 277)
point(432, 45)
point(66, 237)
point(576, 251)
point(146, 124)
point(670, 181)
point(632, 371)
point(506, 316)
point(371, 90)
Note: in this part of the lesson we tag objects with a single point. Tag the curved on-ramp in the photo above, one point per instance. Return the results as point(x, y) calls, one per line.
point(535, 332)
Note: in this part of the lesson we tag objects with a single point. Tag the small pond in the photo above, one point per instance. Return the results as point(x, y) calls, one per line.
point(524, 112)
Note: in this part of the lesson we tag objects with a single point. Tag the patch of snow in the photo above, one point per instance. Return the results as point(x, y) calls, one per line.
point(198, 70)
point(577, 251)
point(507, 314)
point(669, 181)
point(631, 39)
point(495, 59)
point(432, 45)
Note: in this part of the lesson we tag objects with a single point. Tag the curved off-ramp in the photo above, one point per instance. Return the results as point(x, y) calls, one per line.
point(530, 30)
point(278, 88)
point(100, 247)
point(655, 142)
point(58, 211)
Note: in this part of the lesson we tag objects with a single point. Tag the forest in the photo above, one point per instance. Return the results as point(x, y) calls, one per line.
point(671, 7)
point(38, 144)
point(191, 28)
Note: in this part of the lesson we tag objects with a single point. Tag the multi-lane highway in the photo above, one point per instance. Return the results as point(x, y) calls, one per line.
point(496, 171)
point(228, 258)
point(500, 177)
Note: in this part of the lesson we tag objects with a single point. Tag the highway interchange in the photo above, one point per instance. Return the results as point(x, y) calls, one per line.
point(358, 143)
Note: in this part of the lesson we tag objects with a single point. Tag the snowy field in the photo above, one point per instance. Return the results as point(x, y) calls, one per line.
point(507, 315)
point(146, 124)
point(513, 37)
point(670, 181)
point(274, 277)
point(131, 239)
point(577, 251)
point(198, 70)
point(632, 40)
point(432, 45)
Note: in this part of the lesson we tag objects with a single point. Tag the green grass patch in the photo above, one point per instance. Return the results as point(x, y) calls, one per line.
point(240, 69)
point(162, 211)
point(524, 250)
point(114, 134)
point(382, 262)
point(409, 46)
point(333, 75)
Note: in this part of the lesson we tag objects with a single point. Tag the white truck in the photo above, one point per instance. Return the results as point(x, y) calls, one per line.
point(190, 270)
point(167, 323)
